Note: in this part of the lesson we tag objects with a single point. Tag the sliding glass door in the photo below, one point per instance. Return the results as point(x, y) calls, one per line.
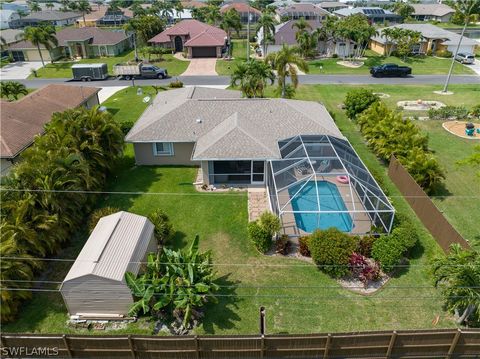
point(236, 172)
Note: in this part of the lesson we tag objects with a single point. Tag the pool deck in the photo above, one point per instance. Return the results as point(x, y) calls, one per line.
point(361, 221)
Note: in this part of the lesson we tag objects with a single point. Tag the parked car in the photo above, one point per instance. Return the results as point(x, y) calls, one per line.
point(390, 70)
point(89, 72)
point(141, 70)
point(465, 58)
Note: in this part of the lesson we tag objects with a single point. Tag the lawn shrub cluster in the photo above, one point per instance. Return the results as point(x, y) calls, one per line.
point(387, 134)
point(262, 230)
point(126, 126)
point(163, 227)
point(99, 213)
point(357, 101)
point(303, 246)
point(448, 113)
point(176, 84)
point(75, 155)
point(282, 245)
point(365, 244)
point(444, 54)
point(363, 268)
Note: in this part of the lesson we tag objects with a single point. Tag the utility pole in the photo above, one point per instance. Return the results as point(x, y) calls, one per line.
point(248, 31)
point(445, 88)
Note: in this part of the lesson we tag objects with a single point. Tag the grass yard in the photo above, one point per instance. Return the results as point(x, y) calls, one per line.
point(63, 69)
point(420, 65)
point(298, 297)
point(226, 67)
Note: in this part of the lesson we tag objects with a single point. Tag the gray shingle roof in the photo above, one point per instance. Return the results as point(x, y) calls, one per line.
point(52, 15)
point(225, 126)
point(432, 9)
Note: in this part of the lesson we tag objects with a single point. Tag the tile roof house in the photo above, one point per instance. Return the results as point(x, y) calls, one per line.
point(198, 39)
point(435, 12)
point(284, 146)
point(118, 244)
point(54, 17)
point(22, 120)
point(302, 10)
point(433, 39)
point(79, 43)
point(332, 6)
point(374, 14)
point(243, 10)
point(101, 15)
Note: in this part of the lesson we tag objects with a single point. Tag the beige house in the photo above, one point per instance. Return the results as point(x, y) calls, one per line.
point(433, 12)
point(22, 120)
point(95, 286)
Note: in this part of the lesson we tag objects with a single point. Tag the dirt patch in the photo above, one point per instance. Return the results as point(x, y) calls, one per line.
point(351, 64)
point(420, 105)
point(457, 128)
point(357, 286)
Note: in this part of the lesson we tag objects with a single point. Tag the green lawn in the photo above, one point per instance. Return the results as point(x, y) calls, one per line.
point(226, 67)
point(63, 69)
point(298, 298)
point(420, 65)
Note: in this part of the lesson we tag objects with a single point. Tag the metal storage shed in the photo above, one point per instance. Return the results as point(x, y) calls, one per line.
point(95, 286)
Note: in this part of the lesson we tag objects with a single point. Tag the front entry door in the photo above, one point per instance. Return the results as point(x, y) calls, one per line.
point(178, 44)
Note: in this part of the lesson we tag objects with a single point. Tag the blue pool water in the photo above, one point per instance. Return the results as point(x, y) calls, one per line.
point(330, 200)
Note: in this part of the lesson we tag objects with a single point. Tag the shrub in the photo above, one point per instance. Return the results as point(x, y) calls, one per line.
point(448, 113)
point(126, 126)
point(99, 213)
point(270, 222)
point(163, 227)
point(358, 101)
point(444, 53)
point(364, 269)
point(335, 56)
point(429, 52)
point(331, 249)
point(365, 244)
point(282, 245)
point(176, 84)
point(388, 252)
point(260, 237)
point(303, 246)
point(475, 111)
point(406, 236)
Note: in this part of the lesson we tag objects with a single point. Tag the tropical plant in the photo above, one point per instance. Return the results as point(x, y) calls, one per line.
point(11, 90)
point(448, 113)
point(231, 21)
point(49, 5)
point(163, 227)
point(144, 28)
point(303, 246)
point(405, 41)
point(99, 214)
point(388, 252)
point(357, 101)
point(331, 250)
point(285, 62)
point(363, 268)
point(259, 236)
point(252, 77)
point(266, 23)
point(34, 6)
point(405, 10)
point(356, 29)
point(302, 26)
point(40, 35)
point(472, 160)
point(84, 7)
point(457, 275)
point(308, 44)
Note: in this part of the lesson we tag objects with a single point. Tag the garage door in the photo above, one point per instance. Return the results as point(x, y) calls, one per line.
point(18, 56)
point(204, 52)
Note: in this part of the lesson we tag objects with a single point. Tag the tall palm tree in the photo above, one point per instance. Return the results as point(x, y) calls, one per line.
point(252, 77)
point(12, 89)
point(231, 21)
point(266, 23)
point(285, 62)
point(84, 7)
point(41, 35)
point(34, 7)
point(468, 8)
point(302, 26)
point(114, 8)
point(49, 5)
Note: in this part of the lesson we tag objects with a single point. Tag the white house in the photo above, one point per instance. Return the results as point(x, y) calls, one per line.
point(9, 19)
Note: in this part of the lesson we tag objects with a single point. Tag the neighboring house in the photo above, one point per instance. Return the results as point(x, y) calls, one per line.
point(73, 42)
point(53, 17)
point(435, 12)
point(243, 10)
point(11, 36)
point(9, 19)
point(433, 39)
point(332, 6)
point(95, 285)
point(16, 6)
point(277, 144)
point(374, 14)
point(300, 10)
point(101, 15)
point(193, 4)
point(194, 37)
point(22, 120)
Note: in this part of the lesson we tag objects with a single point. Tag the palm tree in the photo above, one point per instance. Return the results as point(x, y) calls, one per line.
point(468, 8)
point(389, 34)
point(114, 8)
point(252, 77)
point(41, 35)
point(307, 44)
point(285, 62)
point(231, 21)
point(34, 7)
point(266, 23)
point(84, 7)
point(12, 89)
point(49, 5)
point(302, 26)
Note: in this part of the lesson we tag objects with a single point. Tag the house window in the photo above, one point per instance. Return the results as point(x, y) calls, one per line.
point(163, 149)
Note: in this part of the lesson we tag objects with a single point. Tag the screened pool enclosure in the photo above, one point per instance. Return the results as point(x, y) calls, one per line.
point(320, 182)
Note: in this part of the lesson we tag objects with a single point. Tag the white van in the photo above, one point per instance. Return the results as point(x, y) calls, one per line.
point(465, 58)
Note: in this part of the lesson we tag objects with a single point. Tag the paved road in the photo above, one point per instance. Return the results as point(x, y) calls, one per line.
point(304, 79)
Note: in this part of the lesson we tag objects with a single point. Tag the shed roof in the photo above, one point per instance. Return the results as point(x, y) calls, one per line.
point(226, 126)
point(116, 245)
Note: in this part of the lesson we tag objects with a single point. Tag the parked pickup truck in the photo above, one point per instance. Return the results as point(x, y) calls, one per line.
point(141, 70)
point(390, 70)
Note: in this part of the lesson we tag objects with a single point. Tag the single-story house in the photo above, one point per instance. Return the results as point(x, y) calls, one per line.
point(292, 148)
point(435, 12)
point(332, 6)
point(101, 15)
point(195, 37)
point(9, 19)
point(374, 14)
point(433, 39)
point(15, 6)
point(53, 17)
point(193, 4)
point(302, 10)
point(22, 120)
point(95, 285)
point(243, 10)
point(75, 42)
point(11, 36)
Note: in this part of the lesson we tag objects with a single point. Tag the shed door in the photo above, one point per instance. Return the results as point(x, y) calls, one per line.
point(204, 52)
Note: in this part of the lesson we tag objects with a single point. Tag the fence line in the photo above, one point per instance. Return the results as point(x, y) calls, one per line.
point(443, 232)
point(440, 343)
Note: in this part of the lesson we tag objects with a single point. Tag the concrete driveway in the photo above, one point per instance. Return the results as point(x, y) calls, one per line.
point(19, 70)
point(475, 67)
point(201, 67)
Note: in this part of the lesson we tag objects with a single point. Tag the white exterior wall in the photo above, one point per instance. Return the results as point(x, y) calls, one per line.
point(463, 48)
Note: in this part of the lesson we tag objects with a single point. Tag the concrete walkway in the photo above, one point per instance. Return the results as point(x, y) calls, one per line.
point(201, 67)
point(257, 202)
point(19, 70)
point(107, 92)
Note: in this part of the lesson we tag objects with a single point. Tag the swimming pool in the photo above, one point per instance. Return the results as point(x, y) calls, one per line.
point(330, 200)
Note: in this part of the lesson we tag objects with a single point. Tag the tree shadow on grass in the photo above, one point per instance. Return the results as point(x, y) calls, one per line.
point(415, 253)
point(441, 191)
point(223, 313)
point(178, 240)
point(374, 61)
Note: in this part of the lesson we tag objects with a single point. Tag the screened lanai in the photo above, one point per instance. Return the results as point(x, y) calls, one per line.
point(320, 182)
